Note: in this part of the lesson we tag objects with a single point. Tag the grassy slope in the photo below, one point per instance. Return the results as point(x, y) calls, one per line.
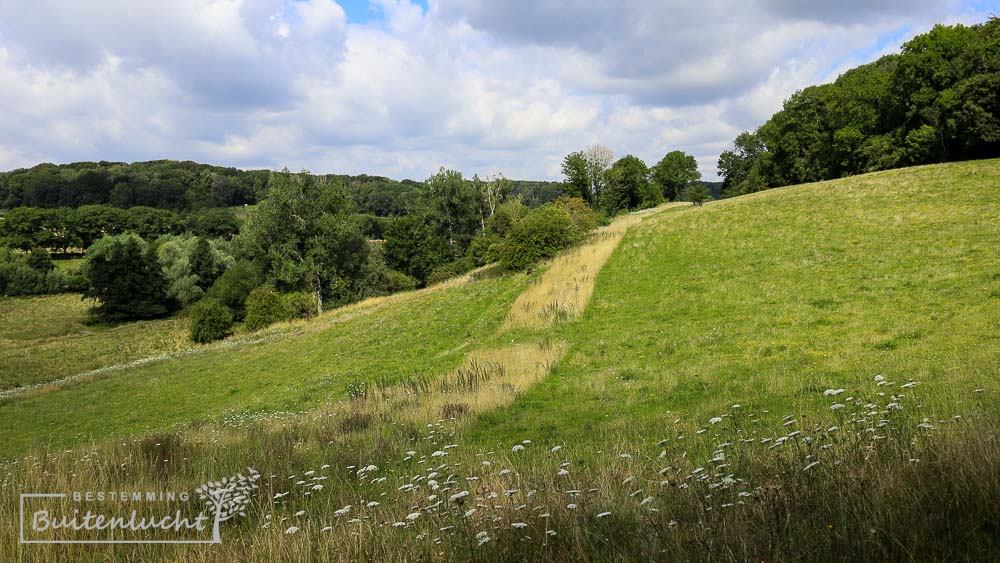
point(46, 338)
point(767, 300)
point(427, 334)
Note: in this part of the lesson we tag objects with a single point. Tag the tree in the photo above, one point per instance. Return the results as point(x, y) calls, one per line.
point(628, 185)
point(674, 171)
point(414, 246)
point(454, 205)
point(492, 192)
point(204, 264)
point(125, 277)
point(577, 184)
point(696, 193)
point(599, 159)
point(217, 222)
point(302, 237)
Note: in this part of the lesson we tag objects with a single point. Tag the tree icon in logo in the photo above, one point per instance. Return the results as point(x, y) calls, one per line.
point(228, 498)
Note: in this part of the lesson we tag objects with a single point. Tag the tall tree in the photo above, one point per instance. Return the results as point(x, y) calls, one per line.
point(454, 205)
point(674, 171)
point(628, 186)
point(302, 237)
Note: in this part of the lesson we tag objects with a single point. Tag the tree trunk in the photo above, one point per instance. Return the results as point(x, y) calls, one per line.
point(319, 297)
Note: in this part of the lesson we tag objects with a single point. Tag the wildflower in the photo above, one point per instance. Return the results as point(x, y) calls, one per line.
point(517, 448)
point(326, 528)
point(555, 449)
point(550, 532)
point(832, 392)
point(458, 496)
point(714, 420)
point(373, 504)
point(571, 506)
point(519, 525)
point(810, 466)
point(879, 378)
point(483, 537)
point(438, 453)
point(292, 530)
point(646, 501)
point(926, 426)
point(470, 512)
point(603, 514)
point(300, 513)
point(398, 524)
point(563, 472)
point(909, 385)
point(837, 406)
point(412, 516)
point(342, 511)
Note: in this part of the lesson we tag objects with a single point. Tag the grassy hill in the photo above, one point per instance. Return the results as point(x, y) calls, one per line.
point(678, 401)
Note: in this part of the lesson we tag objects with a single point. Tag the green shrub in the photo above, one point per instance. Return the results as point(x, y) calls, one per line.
point(398, 281)
point(300, 305)
point(264, 308)
point(447, 271)
point(584, 218)
point(233, 287)
point(541, 234)
point(39, 259)
point(210, 320)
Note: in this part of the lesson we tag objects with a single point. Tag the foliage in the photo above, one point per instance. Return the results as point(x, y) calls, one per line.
point(697, 193)
point(454, 207)
point(540, 234)
point(210, 320)
point(299, 304)
point(126, 278)
point(934, 102)
point(162, 184)
point(191, 265)
point(265, 307)
point(674, 171)
point(414, 247)
point(32, 274)
point(628, 187)
point(234, 285)
point(584, 218)
point(216, 222)
point(302, 238)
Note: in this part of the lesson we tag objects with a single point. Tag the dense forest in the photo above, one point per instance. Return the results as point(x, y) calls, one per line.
point(936, 101)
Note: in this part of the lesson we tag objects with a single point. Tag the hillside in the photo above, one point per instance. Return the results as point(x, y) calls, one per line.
point(721, 324)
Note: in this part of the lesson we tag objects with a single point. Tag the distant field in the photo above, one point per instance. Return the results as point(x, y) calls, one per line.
point(69, 263)
point(44, 338)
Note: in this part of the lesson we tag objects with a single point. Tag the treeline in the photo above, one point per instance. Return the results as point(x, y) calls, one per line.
point(627, 184)
point(936, 101)
point(162, 184)
point(63, 229)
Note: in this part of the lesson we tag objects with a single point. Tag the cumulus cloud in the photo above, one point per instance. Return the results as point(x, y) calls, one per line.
point(472, 84)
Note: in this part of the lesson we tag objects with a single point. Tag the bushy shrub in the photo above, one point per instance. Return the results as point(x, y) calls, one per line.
point(379, 279)
point(210, 320)
point(264, 308)
point(447, 271)
point(300, 305)
point(34, 274)
point(584, 218)
point(233, 287)
point(540, 234)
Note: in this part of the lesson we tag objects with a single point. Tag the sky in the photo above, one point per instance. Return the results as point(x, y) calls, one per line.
point(400, 88)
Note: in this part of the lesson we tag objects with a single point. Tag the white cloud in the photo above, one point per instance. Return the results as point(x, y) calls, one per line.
point(480, 86)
